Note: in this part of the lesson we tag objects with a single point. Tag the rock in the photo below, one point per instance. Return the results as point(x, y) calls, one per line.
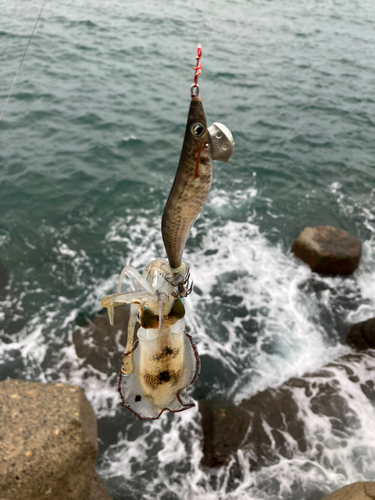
point(270, 413)
point(355, 491)
point(98, 343)
point(362, 335)
point(98, 491)
point(269, 426)
point(48, 442)
point(263, 420)
point(330, 299)
point(224, 428)
point(274, 415)
point(328, 250)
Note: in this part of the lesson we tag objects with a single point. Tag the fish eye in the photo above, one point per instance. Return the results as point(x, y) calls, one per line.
point(197, 129)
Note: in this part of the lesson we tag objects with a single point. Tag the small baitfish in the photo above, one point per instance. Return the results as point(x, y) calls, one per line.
point(163, 361)
point(193, 178)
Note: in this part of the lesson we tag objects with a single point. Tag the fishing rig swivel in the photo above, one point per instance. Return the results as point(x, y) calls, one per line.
point(194, 89)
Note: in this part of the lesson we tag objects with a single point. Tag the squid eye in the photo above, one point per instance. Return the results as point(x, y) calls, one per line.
point(197, 129)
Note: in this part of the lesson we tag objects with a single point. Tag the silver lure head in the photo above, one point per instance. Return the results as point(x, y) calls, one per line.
point(222, 142)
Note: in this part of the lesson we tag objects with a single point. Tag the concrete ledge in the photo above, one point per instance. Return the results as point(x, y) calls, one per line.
point(48, 442)
point(355, 491)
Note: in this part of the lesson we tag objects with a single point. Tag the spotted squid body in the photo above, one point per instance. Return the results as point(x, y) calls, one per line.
point(163, 361)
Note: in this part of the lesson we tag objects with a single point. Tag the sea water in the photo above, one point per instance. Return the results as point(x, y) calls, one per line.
point(89, 145)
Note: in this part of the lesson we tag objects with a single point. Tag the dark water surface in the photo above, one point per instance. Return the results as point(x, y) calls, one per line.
point(89, 144)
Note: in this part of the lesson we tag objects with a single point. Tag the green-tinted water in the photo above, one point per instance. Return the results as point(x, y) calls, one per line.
point(89, 145)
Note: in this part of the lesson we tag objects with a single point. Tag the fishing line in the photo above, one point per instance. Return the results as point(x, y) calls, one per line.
point(23, 57)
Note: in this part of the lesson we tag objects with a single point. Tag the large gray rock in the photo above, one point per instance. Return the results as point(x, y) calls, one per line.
point(98, 491)
point(328, 250)
point(259, 424)
point(355, 491)
point(269, 425)
point(274, 424)
point(224, 427)
point(48, 442)
point(362, 335)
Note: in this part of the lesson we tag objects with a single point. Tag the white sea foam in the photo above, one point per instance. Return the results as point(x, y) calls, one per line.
point(331, 459)
point(365, 274)
point(366, 283)
point(251, 314)
point(234, 260)
point(267, 281)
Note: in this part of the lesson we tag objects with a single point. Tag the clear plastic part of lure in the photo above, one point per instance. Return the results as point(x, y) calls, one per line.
point(163, 361)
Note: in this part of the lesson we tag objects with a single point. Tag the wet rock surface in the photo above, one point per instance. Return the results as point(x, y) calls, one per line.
point(98, 491)
point(362, 335)
point(48, 443)
point(224, 428)
point(328, 250)
point(356, 491)
point(274, 415)
point(257, 425)
point(268, 426)
point(333, 299)
point(101, 345)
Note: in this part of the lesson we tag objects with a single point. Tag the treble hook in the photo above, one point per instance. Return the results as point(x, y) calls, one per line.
point(194, 90)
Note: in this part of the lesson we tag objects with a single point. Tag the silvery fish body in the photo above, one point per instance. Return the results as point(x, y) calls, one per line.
point(191, 184)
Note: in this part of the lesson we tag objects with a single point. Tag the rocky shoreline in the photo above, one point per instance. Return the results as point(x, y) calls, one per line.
point(48, 434)
point(268, 425)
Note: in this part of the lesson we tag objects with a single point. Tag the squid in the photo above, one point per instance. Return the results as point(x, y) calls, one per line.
point(161, 360)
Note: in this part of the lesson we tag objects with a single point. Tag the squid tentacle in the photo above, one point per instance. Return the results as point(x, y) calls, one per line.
point(117, 299)
point(127, 365)
point(157, 368)
point(139, 282)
